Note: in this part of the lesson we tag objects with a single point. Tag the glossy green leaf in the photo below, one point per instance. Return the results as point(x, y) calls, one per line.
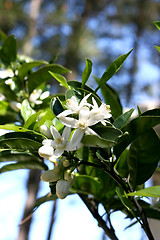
point(45, 117)
point(123, 119)
point(8, 51)
point(87, 71)
point(143, 158)
point(32, 120)
point(157, 24)
point(56, 106)
point(62, 80)
point(12, 127)
point(135, 128)
point(20, 141)
point(111, 98)
point(96, 141)
point(112, 69)
point(146, 192)
point(28, 134)
point(26, 67)
point(26, 110)
point(122, 165)
point(107, 132)
point(11, 155)
point(42, 75)
point(24, 165)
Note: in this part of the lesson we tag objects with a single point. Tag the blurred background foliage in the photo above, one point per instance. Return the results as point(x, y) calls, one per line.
point(70, 31)
point(67, 32)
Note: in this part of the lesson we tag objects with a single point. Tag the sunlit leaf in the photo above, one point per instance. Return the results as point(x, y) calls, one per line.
point(112, 69)
point(146, 192)
point(62, 80)
point(87, 71)
point(42, 75)
point(26, 67)
point(123, 119)
point(26, 110)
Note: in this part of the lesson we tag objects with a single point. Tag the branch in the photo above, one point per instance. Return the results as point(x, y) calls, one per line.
point(92, 206)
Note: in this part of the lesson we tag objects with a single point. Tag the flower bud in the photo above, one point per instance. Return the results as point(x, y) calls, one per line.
point(16, 106)
point(50, 176)
point(62, 188)
point(66, 163)
point(69, 177)
point(46, 131)
point(45, 151)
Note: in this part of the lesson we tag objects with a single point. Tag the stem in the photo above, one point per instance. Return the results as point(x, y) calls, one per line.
point(139, 209)
point(92, 206)
point(126, 188)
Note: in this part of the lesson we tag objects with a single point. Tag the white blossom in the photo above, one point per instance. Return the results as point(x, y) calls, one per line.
point(74, 106)
point(101, 113)
point(55, 148)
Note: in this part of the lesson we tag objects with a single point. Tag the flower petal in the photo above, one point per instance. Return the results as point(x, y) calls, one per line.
point(65, 113)
point(66, 133)
point(55, 132)
point(75, 140)
point(84, 114)
point(58, 152)
point(68, 121)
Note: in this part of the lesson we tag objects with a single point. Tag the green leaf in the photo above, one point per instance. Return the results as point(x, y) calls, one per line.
point(62, 80)
point(111, 98)
point(28, 134)
point(123, 119)
point(56, 106)
point(42, 75)
point(20, 141)
point(8, 51)
point(144, 155)
point(26, 67)
point(108, 133)
point(86, 184)
point(96, 141)
point(26, 110)
point(3, 36)
point(6, 114)
point(7, 92)
point(135, 128)
point(112, 69)
point(87, 71)
point(158, 48)
point(157, 24)
point(122, 165)
point(32, 120)
point(12, 127)
point(146, 192)
point(11, 155)
point(24, 165)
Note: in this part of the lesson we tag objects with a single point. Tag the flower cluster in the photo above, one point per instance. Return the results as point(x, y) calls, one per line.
point(85, 115)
